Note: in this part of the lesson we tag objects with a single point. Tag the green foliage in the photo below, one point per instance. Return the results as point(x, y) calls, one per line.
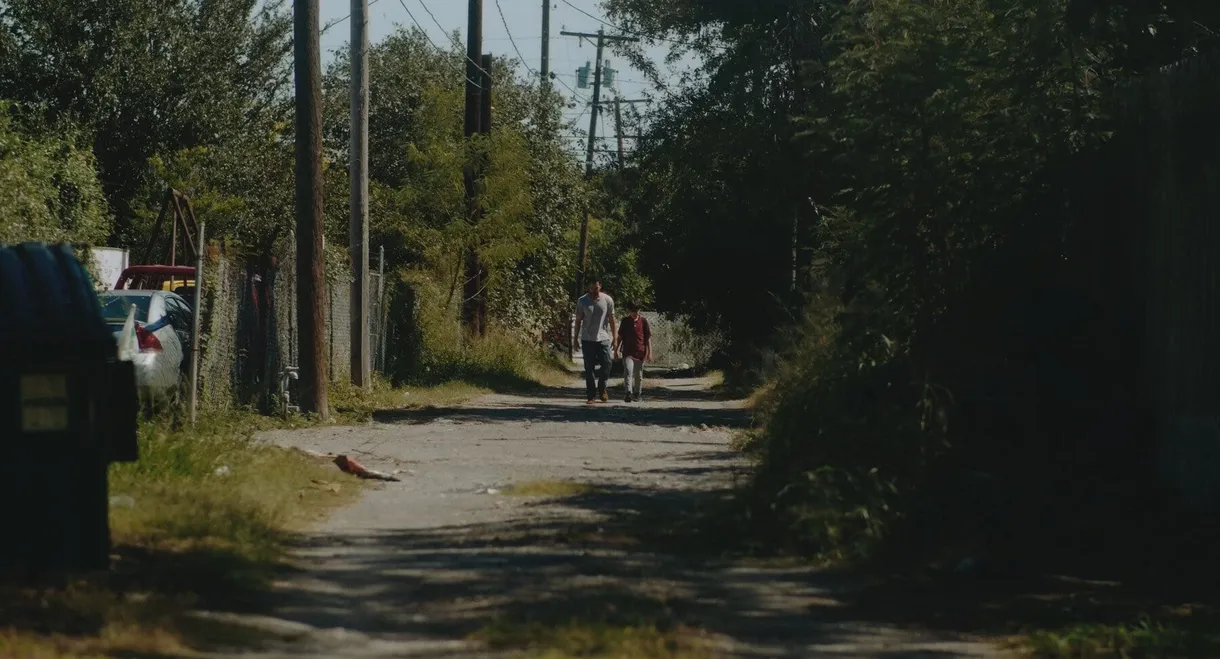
point(145, 77)
point(501, 361)
point(530, 193)
point(616, 261)
point(243, 188)
point(48, 185)
point(904, 175)
point(1146, 638)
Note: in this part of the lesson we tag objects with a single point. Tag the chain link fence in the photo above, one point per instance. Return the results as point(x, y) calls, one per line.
point(250, 329)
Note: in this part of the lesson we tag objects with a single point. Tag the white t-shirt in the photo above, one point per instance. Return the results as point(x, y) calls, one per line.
point(596, 315)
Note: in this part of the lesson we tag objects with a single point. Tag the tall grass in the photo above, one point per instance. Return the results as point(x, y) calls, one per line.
point(504, 360)
point(202, 519)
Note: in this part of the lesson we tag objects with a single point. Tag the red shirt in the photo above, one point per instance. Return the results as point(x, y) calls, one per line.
point(634, 335)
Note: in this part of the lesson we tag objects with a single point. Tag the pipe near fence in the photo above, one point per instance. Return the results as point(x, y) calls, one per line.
point(195, 314)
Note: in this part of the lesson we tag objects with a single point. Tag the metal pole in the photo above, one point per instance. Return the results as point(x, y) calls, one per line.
point(311, 259)
point(381, 321)
point(358, 228)
point(195, 322)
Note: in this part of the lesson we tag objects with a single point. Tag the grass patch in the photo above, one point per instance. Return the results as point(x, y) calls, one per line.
point(597, 639)
point(201, 520)
point(1189, 637)
point(553, 489)
point(353, 405)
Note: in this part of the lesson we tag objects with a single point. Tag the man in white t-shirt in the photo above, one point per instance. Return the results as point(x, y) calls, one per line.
point(595, 318)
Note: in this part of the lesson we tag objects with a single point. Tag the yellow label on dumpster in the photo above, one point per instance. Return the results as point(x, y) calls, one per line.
point(44, 402)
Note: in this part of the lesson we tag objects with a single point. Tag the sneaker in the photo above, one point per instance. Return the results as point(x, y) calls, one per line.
point(627, 399)
point(589, 402)
point(605, 397)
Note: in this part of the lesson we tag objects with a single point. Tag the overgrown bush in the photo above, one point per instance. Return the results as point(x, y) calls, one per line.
point(846, 438)
point(49, 190)
point(430, 345)
point(905, 415)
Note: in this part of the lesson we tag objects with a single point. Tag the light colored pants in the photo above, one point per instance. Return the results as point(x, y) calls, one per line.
point(633, 376)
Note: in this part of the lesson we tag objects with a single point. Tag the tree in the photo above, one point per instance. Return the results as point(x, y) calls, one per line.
point(145, 76)
point(531, 192)
point(718, 182)
point(49, 190)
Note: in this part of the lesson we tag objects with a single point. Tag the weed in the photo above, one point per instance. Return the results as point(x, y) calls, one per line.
point(1147, 638)
point(596, 639)
point(207, 518)
point(355, 405)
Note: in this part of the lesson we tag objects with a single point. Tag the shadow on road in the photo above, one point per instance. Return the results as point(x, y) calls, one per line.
point(674, 406)
point(648, 556)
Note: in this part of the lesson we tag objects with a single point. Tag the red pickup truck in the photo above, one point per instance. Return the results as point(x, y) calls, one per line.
point(176, 278)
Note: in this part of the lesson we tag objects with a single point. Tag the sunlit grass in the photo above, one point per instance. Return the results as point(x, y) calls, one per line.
point(203, 516)
point(596, 639)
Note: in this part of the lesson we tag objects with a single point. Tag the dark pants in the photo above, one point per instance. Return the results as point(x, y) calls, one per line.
point(595, 354)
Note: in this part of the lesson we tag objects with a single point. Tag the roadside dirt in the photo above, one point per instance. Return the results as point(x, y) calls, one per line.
point(416, 567)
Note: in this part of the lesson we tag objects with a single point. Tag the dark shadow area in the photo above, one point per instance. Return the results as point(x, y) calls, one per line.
point(151, 588)
point(618, 556)
point(670, 417)
point(671, 406)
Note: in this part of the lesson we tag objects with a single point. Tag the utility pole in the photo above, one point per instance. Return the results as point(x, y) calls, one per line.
point(471, 127)
point(546, 43)
point(597, 93)
point(358, 228)
point(474, 46)
point(618, 128)
point(311, 261)
point(485, 99)
point(582, 251)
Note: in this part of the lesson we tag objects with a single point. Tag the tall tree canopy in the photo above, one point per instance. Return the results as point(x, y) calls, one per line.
point(145, 76)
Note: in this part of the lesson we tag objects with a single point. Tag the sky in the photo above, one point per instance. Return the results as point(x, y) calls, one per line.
point(522, 20)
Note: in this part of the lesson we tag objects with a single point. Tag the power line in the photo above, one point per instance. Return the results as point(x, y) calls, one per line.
point(632, 82)
point(604, 21)
point(456, 43)
point(340, 20)
point(438, 48)
point(575, 95)
point(572, 123)
point(513, 41)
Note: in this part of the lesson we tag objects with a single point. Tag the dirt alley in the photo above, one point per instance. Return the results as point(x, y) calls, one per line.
point(415, 567)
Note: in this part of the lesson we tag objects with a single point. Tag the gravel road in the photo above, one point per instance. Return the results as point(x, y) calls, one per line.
point(417, 566)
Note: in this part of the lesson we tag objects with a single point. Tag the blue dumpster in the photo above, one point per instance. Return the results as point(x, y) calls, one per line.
point(68, 409)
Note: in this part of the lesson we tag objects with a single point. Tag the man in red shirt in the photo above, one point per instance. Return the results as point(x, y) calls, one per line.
point(635, 340)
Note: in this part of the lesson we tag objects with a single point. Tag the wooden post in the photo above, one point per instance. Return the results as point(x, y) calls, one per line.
point(311, 259)
point(474, 46)
point(358, 227)
point(618, 128)
point(546, 44)
point(485, 98)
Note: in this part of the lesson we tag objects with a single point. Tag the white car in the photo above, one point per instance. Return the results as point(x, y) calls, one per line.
point(153, 330)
